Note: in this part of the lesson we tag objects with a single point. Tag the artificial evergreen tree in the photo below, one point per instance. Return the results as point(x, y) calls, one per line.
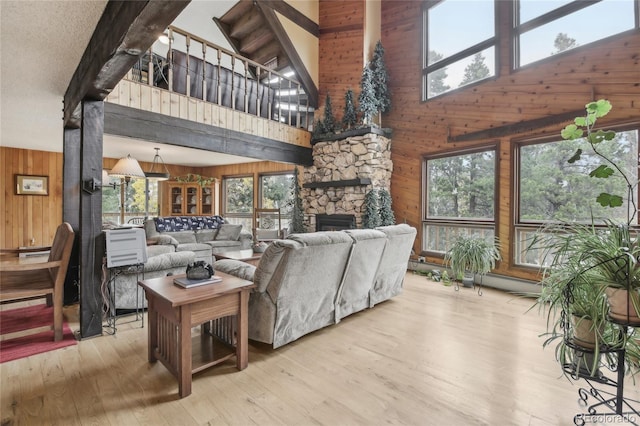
point(380, 81)
point(297, 219)
point(329, 121)
point(318, 129)
point(371, 215)
point(349, 118)
point(367, 99)
point(386, 213)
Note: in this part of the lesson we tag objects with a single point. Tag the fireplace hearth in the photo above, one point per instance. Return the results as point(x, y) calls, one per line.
point(335, 222)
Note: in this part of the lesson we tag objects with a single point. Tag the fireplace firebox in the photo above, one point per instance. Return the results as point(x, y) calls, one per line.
point(335, 222)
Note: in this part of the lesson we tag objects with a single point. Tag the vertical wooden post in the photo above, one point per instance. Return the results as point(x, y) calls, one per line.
point(71, 209)
point(83, 211)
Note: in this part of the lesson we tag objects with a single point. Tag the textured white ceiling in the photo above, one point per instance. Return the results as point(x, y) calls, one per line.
point(41, 43)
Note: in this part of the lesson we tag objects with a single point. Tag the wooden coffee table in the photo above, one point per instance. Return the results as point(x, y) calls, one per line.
point(246, 255)
point(222, 310)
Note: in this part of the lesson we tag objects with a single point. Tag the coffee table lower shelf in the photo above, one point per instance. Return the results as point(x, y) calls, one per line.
point(208, 351)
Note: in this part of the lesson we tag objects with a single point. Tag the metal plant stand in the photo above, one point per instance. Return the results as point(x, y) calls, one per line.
point(606, 394)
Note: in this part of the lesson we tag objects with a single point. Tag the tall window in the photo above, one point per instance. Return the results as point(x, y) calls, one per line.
point(238, 200)
point(459, 197)
point(459, 39)
point(276, 192)
point(546, 28)
point(550, 189)
point(124, 202)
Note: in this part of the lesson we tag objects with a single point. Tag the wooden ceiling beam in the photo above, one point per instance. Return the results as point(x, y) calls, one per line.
point(294, 15)
point(287, 45)
point(136, 123)
point(125, 31)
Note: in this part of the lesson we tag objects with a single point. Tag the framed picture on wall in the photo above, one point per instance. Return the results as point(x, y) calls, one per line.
point(32, 185)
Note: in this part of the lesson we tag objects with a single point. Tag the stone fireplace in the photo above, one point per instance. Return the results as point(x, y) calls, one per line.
point(345, 168)
point(335, 222)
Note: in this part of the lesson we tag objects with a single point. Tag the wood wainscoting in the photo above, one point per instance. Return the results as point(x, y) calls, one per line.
point(29, 220)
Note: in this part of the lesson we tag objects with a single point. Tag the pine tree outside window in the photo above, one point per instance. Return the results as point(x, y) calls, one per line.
point(546, 28)
point(277, 192)
point(459, 42)
point(551, 190)
point(459, 197)
point(237, 203)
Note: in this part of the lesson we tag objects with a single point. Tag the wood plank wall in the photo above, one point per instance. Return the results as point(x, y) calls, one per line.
point(29, 219)
point(609, 69)
point(29, 216)
point(341, 51)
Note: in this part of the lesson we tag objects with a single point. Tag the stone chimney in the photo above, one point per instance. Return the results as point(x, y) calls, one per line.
point(345, 168)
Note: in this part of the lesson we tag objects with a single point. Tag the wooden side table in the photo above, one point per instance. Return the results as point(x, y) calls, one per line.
point(173, 311)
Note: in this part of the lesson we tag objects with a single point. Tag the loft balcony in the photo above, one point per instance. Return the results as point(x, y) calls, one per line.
point(193, 79)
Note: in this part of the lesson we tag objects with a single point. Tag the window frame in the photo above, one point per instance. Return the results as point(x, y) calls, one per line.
point(477, 224)
point(466, 53)
point(285, 217)
point(529, 225)
point(241, 216)
point(518, 29)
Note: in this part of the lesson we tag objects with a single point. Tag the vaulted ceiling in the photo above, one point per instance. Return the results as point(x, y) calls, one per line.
point(254, 31)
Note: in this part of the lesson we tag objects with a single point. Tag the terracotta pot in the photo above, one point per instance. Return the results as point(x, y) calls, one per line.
point(622, 305)
point(584, 333)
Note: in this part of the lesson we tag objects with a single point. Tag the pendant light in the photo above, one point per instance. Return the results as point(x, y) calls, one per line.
point(158, 170)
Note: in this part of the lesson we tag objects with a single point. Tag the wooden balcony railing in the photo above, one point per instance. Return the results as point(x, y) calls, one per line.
point(200, 69)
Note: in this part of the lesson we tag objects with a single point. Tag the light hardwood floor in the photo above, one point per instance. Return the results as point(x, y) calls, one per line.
point(430, 356)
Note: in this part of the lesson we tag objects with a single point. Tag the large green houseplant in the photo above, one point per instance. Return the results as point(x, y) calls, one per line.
point(583, 260)
point(613, 248)
point(471, 255)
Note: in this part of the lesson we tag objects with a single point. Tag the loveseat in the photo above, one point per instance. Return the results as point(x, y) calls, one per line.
point(309, 281)
point(203, 235)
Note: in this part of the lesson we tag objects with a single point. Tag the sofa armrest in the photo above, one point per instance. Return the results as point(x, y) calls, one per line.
point(236, 268)
point(164, 239)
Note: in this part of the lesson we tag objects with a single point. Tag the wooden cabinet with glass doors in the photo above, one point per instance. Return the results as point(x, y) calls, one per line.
point(189, 199)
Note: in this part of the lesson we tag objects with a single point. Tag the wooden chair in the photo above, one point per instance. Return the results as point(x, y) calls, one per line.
point(23, 278)
point(136, 221)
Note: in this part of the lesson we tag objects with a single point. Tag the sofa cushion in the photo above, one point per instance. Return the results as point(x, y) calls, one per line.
point(206, 235)
point(219, 244)
point(185, 237)
point(169, 260)
point(229, 232)
point(165, 239)
point(195, 247)
point(159, 249)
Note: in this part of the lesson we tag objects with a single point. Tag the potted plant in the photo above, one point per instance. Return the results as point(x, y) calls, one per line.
point(576, 308)
point(585, 261)
point(613, 249)
point(471, 255)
